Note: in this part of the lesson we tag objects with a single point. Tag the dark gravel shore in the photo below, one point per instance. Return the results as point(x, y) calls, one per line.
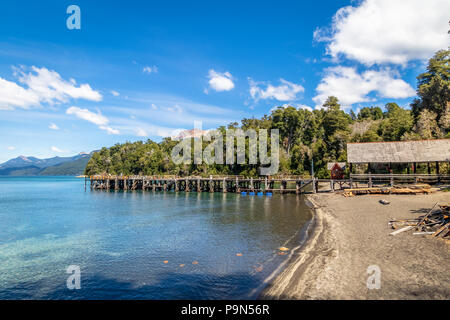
point(351, 234)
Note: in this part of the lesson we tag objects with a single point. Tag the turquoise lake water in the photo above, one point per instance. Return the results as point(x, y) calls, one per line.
point(120, 241)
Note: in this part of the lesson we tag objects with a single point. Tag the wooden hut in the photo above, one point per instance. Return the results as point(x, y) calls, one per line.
point(379, 154)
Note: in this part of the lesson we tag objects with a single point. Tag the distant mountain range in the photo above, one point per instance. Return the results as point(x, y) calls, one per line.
point(56, 166)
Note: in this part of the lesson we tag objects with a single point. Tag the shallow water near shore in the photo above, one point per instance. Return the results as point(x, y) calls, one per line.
point(140, 245)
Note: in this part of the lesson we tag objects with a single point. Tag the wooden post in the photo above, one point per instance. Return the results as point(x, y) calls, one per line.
point(85, 182)
point(187, 185)
point(281, 186)
point(224, 185)
point(176, 185)
point(370, 180)
point(297, 189)
point(351, 183)
point(237, 185)
point(437, 171)
point(392, 180)
point(314, 185)
point(116, 184)
point(429, 168)
point(251, 184)
point(414, 167)
point(211, 184)
point(332, 185)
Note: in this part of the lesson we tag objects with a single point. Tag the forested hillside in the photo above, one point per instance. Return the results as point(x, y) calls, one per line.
point(318, 135)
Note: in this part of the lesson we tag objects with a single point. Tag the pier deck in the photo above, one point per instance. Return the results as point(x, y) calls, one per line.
point(237, 184)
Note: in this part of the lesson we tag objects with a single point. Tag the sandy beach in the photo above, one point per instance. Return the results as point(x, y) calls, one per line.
point(351, 234)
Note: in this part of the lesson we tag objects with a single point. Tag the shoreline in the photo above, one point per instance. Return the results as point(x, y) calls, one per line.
point(351, 234)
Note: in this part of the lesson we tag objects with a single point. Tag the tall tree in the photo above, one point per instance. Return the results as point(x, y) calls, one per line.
point(289, 122)
point(396, 123)
point(433, 87)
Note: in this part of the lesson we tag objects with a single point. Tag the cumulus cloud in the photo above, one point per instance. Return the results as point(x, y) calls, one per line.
point(351, 87)
point(297, 106)
point(286, 91)
point(41, 85)
point(115, 93)
point(85, 114)
point(95, 118)
point(53, 126)
point(141, 132)
point(149, 70)
point(109, 130)
point(176, 109)
point(304, 107)
point(220, 81)
point(386, 31)
point(55, 149)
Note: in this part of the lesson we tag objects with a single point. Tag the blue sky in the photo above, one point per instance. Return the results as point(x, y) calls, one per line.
point(141, 70)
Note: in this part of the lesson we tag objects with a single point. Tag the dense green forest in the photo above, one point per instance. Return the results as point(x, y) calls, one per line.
point(318, 135)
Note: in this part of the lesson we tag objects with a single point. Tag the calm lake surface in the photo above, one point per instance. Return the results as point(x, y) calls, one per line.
point(120, 241)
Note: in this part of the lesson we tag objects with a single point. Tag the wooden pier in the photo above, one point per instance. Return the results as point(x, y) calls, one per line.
point(237, 184)
point(261, 185)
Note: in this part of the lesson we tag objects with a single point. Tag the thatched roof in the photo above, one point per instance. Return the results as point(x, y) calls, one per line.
point(399, 151)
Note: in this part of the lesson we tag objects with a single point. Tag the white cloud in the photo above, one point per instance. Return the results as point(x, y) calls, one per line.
point(286, 91)
point(85, 114)
point(386, 31)
point(351, 87)
point(55, 149)
point(96, 118)
point(220, 81)
point(304, 107)
point(297, 106)
point(154, 106)
point(10, 148)
point(141, 132)
point(115, 93)
point(53, 126)
point(13, 95)
point(176, 108)
point(41, 85)
point(149, 70)
point(109, 130)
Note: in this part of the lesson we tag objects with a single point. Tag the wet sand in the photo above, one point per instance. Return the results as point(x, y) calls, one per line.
point(351, 234)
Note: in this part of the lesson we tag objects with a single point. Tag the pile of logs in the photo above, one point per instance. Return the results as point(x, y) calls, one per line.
point(436, 223)
point(413, 189)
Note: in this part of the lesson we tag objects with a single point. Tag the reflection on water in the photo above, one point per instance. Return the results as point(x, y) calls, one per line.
point(121, 240)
